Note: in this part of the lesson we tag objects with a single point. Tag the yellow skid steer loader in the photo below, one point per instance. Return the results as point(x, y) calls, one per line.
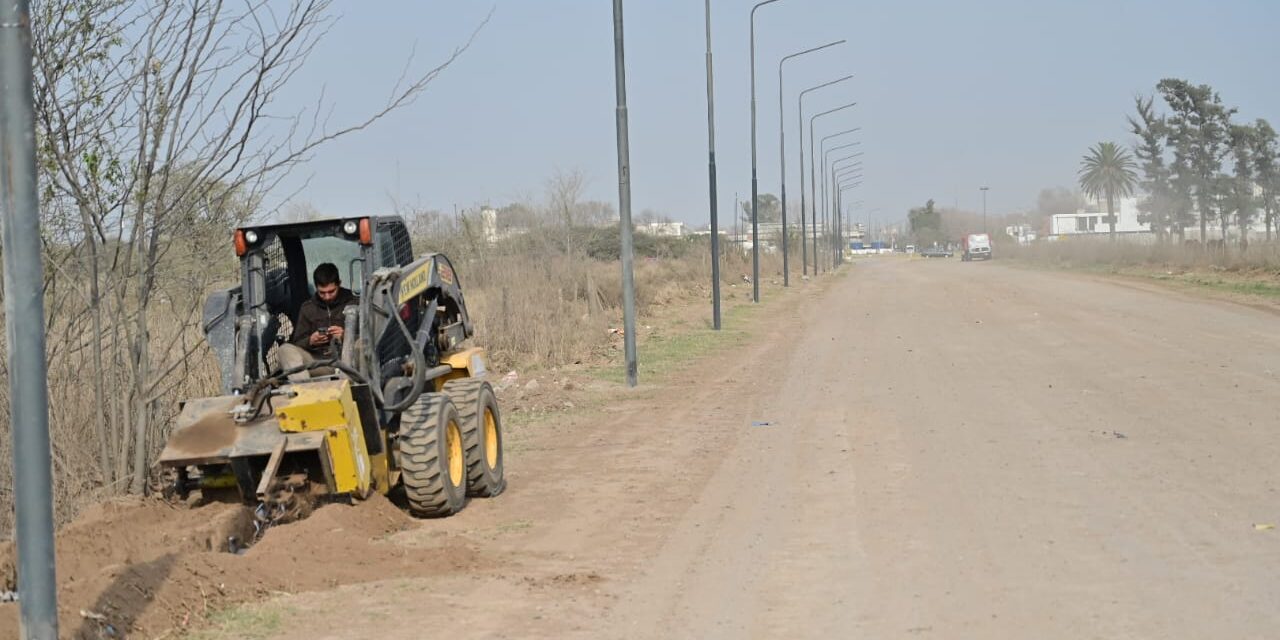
point(399, 405)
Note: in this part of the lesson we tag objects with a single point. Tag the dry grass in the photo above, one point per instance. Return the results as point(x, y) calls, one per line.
point(1254, 271)
point(533, 307)
point(1101, 253)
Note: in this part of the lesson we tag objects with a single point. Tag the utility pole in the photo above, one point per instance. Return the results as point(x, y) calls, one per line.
point(24, 328)
point(624, 201)
point(711, 168)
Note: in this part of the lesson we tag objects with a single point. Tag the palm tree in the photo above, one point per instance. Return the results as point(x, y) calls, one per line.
point(1107, 171)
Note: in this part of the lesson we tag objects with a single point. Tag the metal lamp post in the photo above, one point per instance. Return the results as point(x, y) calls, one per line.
point(804, 256)
point(984, 207)
point(828, 170)
point(711, 169)
point(839, 212)
point(782, 158)
point(24, 329)
point(836, 215)
point(813, 181)
point(848, 218)
point(823, 152)
point(826, 155)
point(624, 200)
point(755, 195)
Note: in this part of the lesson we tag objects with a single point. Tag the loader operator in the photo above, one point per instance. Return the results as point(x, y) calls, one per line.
point(319, 325)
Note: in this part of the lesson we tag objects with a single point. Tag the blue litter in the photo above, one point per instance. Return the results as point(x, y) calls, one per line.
point(761, 423)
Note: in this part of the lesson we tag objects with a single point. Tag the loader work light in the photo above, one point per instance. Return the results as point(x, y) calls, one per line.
point(350, 227)
point(366, 232)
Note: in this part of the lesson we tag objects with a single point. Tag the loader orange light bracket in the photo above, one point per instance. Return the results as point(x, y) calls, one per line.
point(241, 244)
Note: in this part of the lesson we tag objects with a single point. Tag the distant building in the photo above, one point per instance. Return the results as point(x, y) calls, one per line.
point(489, 224)
point(1023, 233)
point(1092, 218)
point(671, 229)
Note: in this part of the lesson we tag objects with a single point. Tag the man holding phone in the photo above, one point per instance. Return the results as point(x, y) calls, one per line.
point(320, 323)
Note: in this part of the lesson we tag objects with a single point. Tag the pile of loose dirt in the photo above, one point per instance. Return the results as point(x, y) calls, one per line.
point(143, 567)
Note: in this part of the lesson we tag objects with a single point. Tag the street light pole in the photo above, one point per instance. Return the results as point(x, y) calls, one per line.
point(828, 201)
point(826, 153)
point(782, 158)
point(838, 238)
point(984, 207)
point(813, 191)
point(804, 254)
point(755, 194)
point(624, 200)
point(840, 203)
point(24, 329)
point(711, 170)
point(848, 217)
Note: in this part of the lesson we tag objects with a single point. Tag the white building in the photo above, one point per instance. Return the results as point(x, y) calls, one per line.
point(1023, 233)
point(489, 224)
point(675, 229)
point(1093, 219)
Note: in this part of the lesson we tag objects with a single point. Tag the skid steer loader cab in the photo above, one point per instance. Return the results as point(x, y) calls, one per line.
point(400, 404)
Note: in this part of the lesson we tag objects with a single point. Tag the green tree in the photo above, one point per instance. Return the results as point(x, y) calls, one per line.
point(1107, 171)
point(1266, 163)
point(1239, 187)
point(769, 209)
point(926, 224)
point(1197, 130)
point(1167, 213)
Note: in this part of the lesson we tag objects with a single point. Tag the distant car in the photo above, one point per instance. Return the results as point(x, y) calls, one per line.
point(911, 248)
point(936, 252)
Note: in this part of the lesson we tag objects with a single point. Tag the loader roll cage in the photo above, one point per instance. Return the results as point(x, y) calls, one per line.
point(409, 311)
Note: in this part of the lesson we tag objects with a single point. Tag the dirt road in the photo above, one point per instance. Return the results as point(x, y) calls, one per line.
point(952, 451)
point(919, 449)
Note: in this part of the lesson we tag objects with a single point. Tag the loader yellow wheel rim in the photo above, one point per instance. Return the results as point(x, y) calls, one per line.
point(490, 439)
point(453, 440)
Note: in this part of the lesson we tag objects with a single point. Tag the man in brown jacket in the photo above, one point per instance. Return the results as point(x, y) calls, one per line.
point(319, 324)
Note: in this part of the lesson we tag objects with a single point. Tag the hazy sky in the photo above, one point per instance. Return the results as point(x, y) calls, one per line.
point(952, 95)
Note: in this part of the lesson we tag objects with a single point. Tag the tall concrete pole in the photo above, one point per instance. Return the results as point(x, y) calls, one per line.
point(24, 328)
point(624, 201)
point(711, 167)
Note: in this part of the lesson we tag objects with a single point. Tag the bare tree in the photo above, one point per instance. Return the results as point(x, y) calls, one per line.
point(301, 211)
point(159, 130)
point(564, 191)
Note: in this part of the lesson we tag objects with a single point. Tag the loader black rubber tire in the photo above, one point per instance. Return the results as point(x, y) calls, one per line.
point(432, 458)
point(481, 434)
